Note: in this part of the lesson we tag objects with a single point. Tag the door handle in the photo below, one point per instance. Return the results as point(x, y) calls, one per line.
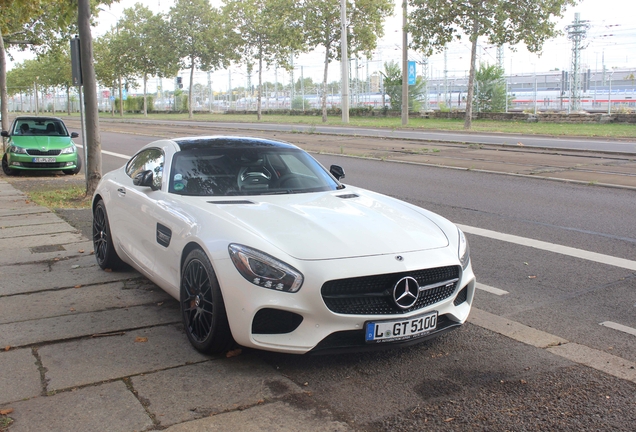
point(121, 191)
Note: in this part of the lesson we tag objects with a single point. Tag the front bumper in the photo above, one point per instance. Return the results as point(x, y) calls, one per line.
point(27, 162)
point(319, 328)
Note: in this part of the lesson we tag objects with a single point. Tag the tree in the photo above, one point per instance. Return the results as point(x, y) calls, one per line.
point(323, 28)
point(55, 70)
point(140, 38)
point(201, 38)
point(434, 23)
point(269, 32)
point(491, 92)
point(393, 87)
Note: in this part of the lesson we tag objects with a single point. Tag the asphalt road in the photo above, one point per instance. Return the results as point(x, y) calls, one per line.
point(551, 344)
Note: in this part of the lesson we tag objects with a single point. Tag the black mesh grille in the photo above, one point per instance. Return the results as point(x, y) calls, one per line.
point(372, 295)
point(275, 321)
point(36, 152)
point(58, 165)
point(461, 297)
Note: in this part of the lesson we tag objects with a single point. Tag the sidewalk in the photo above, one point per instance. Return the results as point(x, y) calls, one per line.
point(88, 350)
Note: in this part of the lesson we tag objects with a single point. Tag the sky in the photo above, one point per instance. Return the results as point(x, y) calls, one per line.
point(611, 39)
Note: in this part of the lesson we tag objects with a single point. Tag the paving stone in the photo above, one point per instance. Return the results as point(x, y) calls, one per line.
point(36, 230)
point(25, 255)
point(86, 324)
point(87, 361)
point(30, 219)
point(275, 417)
point(107, 407)
point(47, 239)
point(92, 298)
point(80, 270)
point(19, 376)
point(209, 388)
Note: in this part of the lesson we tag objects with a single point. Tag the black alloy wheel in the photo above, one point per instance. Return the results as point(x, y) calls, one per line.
point(105, 253)
point(202, 306)
point(5, 167)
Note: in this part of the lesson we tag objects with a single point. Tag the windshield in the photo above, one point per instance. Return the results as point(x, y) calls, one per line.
point(45, 127)
point(247, 171)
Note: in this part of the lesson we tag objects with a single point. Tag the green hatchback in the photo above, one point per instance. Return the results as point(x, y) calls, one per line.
point(40, 143)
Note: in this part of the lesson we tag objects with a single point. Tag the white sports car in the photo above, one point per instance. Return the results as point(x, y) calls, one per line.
point(264, 247)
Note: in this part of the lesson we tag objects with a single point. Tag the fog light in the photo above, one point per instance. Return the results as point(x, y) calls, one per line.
point(69, 163)
point(16, 163)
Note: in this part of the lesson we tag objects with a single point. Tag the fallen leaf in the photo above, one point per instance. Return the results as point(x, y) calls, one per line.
point(306, 384)
point(6, 411)
point(141, 339)
point(450, 419)
point(520, 144)
point(75, 266)
point(525, 263)
point(72, 309)
point(532, 277)
point(7, 348)
point(159, 304)
point(92, 252)
point(234, 353)
point(524, 382)
point(81, 251)
point(78, 286)
point(108, 270)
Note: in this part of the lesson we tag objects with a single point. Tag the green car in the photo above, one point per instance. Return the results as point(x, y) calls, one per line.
point(40, 143)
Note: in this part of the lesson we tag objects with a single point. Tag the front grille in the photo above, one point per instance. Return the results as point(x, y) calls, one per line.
point(275, 321)
point(58, 165)
point(373, 295)
point(36, 152)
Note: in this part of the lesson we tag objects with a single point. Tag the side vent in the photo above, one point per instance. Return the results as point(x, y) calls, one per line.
point(230, 202)
point(348, 196)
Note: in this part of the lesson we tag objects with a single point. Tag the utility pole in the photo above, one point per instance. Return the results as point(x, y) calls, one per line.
point(344, 62)
point(405, 72)
point(577, 32)
point(500, 56)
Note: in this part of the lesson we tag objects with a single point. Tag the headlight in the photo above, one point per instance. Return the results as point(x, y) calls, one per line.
point(17, 150)
point(463, 250)
point(264, 270)
point(68, 150)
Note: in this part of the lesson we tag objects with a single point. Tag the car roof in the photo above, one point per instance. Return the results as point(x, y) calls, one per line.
point(191, 143)
point(38, 118)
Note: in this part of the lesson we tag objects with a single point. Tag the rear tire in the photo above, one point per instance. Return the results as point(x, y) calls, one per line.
point(78, 167)
point(105, 253)
point(5, 167)
point(202, 306)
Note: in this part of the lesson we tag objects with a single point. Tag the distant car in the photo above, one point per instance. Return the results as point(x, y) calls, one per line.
point(40, 143)
point(263, 246)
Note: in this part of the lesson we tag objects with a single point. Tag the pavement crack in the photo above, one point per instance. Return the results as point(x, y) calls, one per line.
point(145, 403)
point(43, 379)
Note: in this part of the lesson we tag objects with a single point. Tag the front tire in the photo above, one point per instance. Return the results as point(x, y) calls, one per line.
point(105, 253)
point(202, 306)
point(5, 167)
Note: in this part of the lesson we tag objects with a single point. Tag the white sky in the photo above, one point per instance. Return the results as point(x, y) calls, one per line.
point(612, 36)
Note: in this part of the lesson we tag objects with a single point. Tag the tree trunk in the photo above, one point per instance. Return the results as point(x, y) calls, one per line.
point(145, 101)
point(4, 99)
point(324, 86)
point(93, 139)
point(260, 86)
point(190, 91)
point(468, 119)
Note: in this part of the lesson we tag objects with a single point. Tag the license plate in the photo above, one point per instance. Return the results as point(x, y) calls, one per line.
point(395, 330)
point(44, 160)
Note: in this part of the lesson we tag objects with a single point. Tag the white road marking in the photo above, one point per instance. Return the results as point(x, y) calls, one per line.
point(619, 327)
point(119, 155)
point(491, 290)
point(551, 247)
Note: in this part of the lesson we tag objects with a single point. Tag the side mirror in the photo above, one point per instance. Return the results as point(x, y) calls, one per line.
point(74, 134)
point(144, 178)
point(337, 171)
point(5, 134)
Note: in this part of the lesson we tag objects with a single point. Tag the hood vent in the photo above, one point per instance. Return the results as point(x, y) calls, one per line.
point(230, 202)
point(348, 196)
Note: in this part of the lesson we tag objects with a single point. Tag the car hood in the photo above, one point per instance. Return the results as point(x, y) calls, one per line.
point(39, 142)
point(319, 226)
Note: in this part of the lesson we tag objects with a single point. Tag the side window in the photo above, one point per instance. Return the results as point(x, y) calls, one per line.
point(150, 159)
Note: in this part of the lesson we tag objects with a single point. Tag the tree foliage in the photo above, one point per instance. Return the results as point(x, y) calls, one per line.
point(202, 38)
point(490, 91)
point(393, 87)
point(435, 23)
point(268, 32)
point(365, 19)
